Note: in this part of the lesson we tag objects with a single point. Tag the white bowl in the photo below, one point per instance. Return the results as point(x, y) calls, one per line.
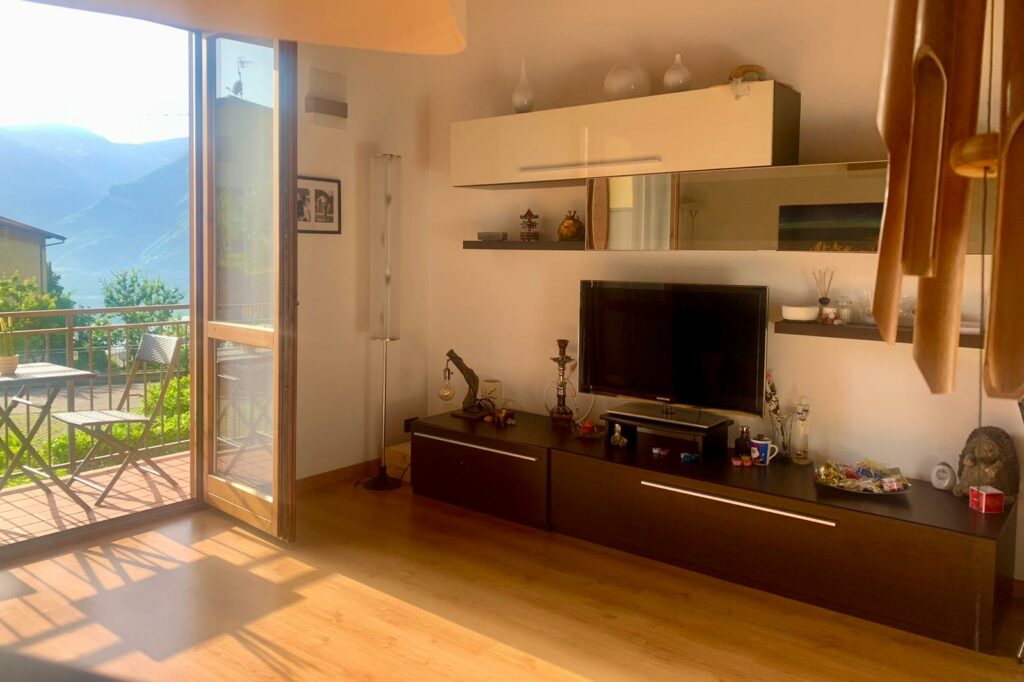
point(800, 313)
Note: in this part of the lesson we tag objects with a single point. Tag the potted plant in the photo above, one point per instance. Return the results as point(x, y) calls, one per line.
point(8, 358)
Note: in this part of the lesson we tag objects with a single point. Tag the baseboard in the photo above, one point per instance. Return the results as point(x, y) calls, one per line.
point(349, 473)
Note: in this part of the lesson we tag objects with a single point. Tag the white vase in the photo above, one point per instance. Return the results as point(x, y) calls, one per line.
point(522, 96)
point(677, 78)
point(623, 82)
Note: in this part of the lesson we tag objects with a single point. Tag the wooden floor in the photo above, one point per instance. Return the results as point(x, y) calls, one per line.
point(31, 511)
point(384, 586)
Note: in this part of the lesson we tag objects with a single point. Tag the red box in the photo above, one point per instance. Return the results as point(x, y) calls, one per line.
point(986, 499)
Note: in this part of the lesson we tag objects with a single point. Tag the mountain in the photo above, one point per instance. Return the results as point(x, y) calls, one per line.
point(48, 172)
point(119, 205)
point(141, 224)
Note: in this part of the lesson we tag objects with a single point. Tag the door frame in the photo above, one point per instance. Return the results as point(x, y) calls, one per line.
point(203, 75)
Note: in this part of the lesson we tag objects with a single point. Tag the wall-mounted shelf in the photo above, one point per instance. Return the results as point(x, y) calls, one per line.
point(861, 332)
point(509, 245)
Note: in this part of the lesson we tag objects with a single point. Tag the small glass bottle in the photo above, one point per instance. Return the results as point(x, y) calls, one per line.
point(802, 434)
point(742, 445)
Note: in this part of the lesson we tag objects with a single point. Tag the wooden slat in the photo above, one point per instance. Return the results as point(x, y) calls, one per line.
point(1004, 360)
point(894, 119)
point(932, 61)
point(939, 298)
point(260, 337)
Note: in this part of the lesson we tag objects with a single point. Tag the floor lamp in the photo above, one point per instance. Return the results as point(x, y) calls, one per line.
point(385, 312)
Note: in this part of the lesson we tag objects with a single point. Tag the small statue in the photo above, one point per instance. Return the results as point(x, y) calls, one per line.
point(571, 228)
point(528, 231)
point(989, 458)
point(469, 403)
point(618, 440)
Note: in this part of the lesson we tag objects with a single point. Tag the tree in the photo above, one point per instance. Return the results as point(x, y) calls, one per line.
point(130, 289)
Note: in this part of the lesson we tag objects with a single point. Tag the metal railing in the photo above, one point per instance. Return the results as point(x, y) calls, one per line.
point(103, 341)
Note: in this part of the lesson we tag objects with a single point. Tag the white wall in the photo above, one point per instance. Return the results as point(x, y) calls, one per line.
point(339, 367)
point(502, 311)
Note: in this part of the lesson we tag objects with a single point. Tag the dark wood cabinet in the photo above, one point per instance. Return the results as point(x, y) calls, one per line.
point(932, 581)
point(922, 561)
point(506, 480)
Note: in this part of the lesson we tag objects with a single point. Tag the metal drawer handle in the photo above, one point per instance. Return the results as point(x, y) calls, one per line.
point(590, 164)
point(476, 447)
point(737, 503)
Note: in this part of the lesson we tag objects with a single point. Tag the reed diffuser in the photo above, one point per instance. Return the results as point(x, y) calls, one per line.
point(827, 314)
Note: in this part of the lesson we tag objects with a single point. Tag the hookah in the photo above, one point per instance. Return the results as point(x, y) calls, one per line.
point(561, 414)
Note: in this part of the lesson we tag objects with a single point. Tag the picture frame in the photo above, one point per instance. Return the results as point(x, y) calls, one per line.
point(318, 205)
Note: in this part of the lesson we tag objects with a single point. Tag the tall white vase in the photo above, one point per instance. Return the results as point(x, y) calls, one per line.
point(522, 96)
point(677, 78)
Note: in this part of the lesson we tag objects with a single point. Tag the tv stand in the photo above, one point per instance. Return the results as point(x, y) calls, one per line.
point(707, 430)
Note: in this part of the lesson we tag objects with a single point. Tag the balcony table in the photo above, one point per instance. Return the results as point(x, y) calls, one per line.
point(52, 378)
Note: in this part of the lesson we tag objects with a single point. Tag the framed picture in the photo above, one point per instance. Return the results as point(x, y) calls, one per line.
point(318, 205)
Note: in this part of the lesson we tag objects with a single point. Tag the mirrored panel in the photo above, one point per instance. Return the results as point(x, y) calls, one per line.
point(825, 207)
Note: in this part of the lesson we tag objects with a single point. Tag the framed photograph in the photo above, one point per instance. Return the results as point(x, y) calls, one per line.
point(318, 205)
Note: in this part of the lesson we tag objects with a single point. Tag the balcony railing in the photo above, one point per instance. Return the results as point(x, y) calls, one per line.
point(103, 341)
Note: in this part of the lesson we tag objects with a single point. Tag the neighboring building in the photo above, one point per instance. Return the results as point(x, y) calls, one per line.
point(23, 250)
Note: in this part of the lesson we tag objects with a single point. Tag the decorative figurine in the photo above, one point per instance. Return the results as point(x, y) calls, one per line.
point(571, 228)
point(528, 231)
point(618, 440)
point(989, 458)
point(471, 407)
point(561, 413)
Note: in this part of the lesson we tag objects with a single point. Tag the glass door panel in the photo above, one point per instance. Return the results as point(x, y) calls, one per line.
point(249, 297)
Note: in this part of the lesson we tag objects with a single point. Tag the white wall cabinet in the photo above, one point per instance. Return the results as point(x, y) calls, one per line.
point(696, 130)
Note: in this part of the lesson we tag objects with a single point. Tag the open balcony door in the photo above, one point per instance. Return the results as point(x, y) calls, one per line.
point(245, 261)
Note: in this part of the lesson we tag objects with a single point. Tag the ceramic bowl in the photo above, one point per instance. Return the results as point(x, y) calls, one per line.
point(800, 313)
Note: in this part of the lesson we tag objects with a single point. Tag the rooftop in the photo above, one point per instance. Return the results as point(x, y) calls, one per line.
point(22, 227)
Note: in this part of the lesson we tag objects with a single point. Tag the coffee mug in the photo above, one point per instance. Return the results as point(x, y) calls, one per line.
point(762, 451)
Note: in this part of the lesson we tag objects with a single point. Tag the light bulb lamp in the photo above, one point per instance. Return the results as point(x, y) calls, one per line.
point(385, 313)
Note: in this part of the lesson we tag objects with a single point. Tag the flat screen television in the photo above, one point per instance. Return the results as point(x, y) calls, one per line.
point(691, 344)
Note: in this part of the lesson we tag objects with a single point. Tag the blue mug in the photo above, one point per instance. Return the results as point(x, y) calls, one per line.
point(762, 451)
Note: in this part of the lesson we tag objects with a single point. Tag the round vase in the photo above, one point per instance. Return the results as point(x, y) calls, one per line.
point(522, 96)
point(8, 365)
point(677, 78)
point(623, 82)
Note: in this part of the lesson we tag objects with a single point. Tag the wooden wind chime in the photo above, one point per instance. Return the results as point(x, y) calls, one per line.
point(928, 115)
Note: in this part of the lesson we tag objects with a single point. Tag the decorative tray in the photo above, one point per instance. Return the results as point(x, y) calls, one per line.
point(598, 432)
point(862, 478)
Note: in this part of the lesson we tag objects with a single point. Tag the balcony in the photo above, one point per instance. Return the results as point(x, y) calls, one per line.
point(102, 341)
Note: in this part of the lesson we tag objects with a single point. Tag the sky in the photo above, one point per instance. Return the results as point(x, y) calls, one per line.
point(124, 79)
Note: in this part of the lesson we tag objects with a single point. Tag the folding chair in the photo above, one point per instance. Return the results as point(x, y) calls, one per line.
point(99, 424)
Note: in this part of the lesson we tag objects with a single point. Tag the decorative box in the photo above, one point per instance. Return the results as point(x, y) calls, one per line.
point(986, 499)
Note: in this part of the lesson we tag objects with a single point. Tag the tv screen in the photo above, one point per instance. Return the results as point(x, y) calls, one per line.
point(692, 344)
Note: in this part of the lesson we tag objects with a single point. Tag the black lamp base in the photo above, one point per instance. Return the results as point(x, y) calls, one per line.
point(382, 481)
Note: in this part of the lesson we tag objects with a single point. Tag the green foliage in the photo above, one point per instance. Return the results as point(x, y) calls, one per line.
point(6, 337)
point(130, 288)
point(17, 295)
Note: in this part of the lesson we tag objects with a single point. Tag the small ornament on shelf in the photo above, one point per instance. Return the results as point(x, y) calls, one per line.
point(528, 230)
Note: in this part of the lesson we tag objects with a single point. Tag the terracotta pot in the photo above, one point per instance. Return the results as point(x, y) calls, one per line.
point(8, 364)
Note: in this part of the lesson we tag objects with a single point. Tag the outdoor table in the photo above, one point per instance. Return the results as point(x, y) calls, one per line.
point(34, 375)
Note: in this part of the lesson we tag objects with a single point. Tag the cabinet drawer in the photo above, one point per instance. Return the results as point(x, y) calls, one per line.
point(875, 568)
point(506, 480)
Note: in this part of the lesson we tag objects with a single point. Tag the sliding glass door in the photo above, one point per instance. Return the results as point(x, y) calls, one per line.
point(247, 260)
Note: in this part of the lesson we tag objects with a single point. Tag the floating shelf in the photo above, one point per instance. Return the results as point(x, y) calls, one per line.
point(861, 332)
point(510, 245)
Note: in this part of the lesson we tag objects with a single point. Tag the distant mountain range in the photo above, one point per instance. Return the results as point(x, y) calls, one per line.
point(119, 205)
